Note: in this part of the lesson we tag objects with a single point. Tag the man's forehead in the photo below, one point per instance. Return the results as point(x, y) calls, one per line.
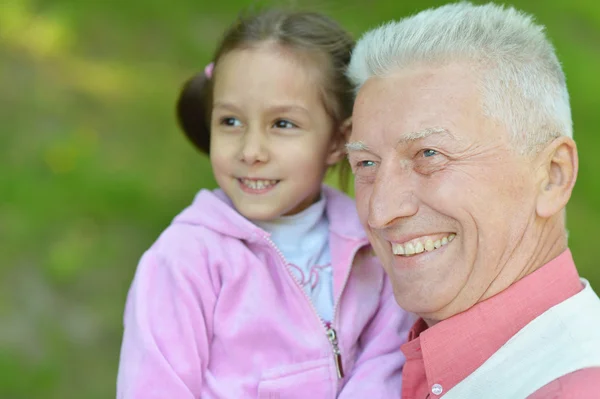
point(417, 94)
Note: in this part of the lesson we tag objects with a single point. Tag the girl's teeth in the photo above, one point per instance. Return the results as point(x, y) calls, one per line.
point(258, 184)
point(417, 247)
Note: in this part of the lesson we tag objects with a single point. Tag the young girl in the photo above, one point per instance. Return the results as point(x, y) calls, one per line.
point(266, 287)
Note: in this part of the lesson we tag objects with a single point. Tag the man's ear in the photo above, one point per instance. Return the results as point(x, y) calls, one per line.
point(558, 166)
point(338, 143)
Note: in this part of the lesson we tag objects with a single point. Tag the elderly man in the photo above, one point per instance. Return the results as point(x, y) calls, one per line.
point(464, 162)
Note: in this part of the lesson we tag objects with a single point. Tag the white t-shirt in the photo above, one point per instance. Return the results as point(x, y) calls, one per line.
point(303, 239)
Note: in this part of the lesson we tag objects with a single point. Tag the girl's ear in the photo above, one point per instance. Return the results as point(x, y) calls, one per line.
point(337, 151)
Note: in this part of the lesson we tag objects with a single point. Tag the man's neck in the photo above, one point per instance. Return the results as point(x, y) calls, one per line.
point(543, 243)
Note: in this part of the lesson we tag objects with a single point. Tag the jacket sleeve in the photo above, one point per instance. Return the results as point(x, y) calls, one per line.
point(168, 327)
point(377, 372)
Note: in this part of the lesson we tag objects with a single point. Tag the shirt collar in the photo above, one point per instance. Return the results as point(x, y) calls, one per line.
point(473, 336)
point(293, 234)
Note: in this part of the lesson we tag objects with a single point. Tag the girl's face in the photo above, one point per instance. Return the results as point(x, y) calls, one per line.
point(272, 139)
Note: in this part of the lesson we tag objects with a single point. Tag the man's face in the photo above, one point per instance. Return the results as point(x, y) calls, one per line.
point(444, 197)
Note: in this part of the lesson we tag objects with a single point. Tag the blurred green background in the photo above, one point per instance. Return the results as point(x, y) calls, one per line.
point(92, 166)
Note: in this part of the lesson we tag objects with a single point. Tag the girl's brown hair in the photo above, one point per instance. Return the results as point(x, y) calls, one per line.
point(312, 34)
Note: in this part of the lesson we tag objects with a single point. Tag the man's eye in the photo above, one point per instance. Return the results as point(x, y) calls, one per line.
point(429, 153)
point(284, 124)
point(365, 164)
point(231, 122)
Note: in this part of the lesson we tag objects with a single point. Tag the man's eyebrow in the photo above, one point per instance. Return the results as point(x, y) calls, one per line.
point(412, 136)
point(356, 146)
point(421, 134)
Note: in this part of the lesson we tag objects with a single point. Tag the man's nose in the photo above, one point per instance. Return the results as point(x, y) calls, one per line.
point(393, 197)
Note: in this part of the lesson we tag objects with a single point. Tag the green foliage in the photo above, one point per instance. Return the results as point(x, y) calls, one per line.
point(93, 166)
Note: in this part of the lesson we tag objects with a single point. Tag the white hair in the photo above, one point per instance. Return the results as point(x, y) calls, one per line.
point(522, 82)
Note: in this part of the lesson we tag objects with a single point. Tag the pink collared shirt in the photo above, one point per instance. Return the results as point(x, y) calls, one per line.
point(439, 357)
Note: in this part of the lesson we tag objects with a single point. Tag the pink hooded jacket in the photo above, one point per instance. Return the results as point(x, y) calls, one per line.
point(213, 312)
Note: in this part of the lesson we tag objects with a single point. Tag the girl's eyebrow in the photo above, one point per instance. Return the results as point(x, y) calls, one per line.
point(272, 109)
point(227, 106)
point(288, 108)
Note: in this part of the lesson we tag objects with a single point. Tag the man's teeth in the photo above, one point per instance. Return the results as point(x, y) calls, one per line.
point(258, 184)
point(417, 246)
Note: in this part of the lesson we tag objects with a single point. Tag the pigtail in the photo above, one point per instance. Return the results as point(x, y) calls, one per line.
point(193, 111)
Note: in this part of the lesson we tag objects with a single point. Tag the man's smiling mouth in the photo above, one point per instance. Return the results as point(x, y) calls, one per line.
point(422, 244)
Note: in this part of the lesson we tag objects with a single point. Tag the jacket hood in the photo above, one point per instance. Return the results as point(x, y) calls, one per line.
point(215, 211)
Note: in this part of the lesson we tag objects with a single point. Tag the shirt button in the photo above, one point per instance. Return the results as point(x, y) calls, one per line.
point(437, 389)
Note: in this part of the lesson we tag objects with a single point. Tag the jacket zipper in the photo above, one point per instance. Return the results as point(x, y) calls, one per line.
point(337, 355)
point(329, 330)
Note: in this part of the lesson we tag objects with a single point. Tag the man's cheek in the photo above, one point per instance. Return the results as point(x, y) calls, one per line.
point(362, 206)
point(381, 248)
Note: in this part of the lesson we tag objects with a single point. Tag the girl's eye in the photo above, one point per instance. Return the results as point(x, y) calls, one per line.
point(429, 153)
point(234, 122)
point(284, 124)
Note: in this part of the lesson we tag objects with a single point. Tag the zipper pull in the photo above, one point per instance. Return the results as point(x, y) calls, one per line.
point(337, 356)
